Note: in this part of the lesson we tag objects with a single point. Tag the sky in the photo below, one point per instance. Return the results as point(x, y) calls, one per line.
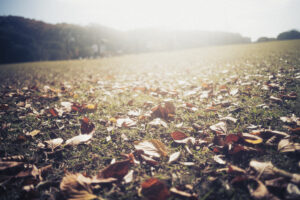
point(252, 18)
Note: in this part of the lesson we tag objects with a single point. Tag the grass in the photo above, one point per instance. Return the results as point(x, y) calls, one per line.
point(110, 83)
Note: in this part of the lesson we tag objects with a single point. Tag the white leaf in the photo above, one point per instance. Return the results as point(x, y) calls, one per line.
point(148, 148)
point(129, 177)
point(220, 128)
point(174, 157)
point(54, 143)
point(219, 160)
point(79, 139)
point(158, 122)
point(286, 146)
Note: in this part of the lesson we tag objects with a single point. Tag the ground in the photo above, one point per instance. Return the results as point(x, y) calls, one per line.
point(164, 102)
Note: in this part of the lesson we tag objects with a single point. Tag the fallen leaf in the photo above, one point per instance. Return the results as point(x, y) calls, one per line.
point(219, 160)
point(174, 157)
point(87, 127)
point(154, 189)
point(261, 191)
point(53, 112)
point(54, 143)
point(77, 187)
point(33, 133)
point(116, 170)
point(181, 193)
point(252, 139)
point(158, 122)
point(79, 139)
point(153, 148)
point(219, 128)
point(285, 146)
point(125, 122)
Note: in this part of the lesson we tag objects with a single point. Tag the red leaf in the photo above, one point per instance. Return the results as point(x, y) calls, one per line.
point(237, 149)
point(86, 126)
point(117, 170)
point(231, 138)
point(177, 135)
point(53, 112)
point(154, 189)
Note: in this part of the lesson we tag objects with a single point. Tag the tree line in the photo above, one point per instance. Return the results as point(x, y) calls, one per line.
point(24, 40)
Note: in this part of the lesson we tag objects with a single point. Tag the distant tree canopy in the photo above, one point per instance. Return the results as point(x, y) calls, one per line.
point(25, 40)
point(265, 39)
point(289, 35)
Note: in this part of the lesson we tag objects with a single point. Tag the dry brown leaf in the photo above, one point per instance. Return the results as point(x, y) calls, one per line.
point(261, 191)
point(87, 127)
point(181, 193)
point(285, 146)
point(77, 187)
point(154, 189)
point(33, 133)
point(116, 170)
point(125, 122)
point(152, 147)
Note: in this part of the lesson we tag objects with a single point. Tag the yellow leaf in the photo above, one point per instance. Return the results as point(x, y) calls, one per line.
point(113, 120)
point(34, 133)
point(257, 141)
point(91, 106)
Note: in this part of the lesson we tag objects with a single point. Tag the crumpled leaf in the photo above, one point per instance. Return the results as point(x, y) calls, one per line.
point(285, 145)
point(54, 143)
point(261, 191)
point(174, 157)
point(152, 147)
point(219, 128)
point(79, 139)
point(165, 112)
point(291, 120)
point(33, 133)
point(293, 191)
point(267, 170)
point(77, 187)
point(154, 189)
point(234, 91)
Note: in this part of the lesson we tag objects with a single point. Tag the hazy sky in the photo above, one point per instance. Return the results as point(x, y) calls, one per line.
point(253, 18)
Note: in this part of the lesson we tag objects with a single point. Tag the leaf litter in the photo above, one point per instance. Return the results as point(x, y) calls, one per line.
point(185, 131)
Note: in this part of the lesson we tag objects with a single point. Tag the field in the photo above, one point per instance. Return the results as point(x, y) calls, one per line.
point(208, 123)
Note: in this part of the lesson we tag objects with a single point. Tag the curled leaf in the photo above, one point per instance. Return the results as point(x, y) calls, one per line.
point(285, 146)
point(77, 187)
point(219, 128)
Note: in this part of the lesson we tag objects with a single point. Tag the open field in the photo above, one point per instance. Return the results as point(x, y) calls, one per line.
point(219, 107)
